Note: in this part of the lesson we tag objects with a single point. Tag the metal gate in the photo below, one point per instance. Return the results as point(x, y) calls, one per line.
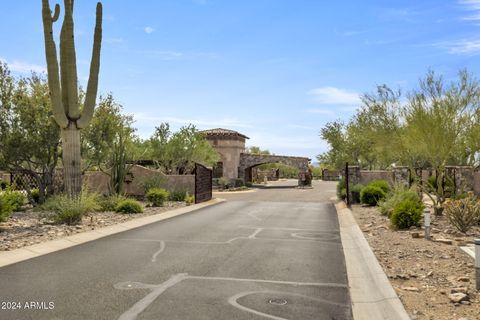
point(203, 183)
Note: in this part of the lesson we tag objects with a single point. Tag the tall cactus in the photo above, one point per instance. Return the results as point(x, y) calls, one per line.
point(64, 88)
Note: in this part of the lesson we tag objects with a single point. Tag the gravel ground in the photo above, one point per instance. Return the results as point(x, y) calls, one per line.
point(434, 280)
point(31, 227)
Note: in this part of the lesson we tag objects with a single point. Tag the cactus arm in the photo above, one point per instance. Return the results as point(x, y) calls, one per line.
point(52, 65)
point(57, 13)
point(92, 86)
point(69, 63)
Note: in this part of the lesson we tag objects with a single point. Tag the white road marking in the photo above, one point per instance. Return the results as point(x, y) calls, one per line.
point(288, 229)
point(233, 301)
point(252, 236)
point(157, 290)
point(162, 247)
point(141, 305)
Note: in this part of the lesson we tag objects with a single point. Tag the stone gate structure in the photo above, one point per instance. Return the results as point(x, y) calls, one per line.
point(249, 161)
point(236, 163)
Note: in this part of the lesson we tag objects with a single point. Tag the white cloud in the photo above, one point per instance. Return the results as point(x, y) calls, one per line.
point(149, 30)
point(474, 7)
point(461, 47)
point(24, 67)
point(332, 95)
point(225, 122)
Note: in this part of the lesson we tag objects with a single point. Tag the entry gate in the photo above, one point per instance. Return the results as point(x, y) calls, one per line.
point(203, 183)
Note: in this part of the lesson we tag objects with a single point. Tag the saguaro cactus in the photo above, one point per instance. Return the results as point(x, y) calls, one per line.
point(64, 88)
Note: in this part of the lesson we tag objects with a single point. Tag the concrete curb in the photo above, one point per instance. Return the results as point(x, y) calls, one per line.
point(371, 293)
point(36, 250)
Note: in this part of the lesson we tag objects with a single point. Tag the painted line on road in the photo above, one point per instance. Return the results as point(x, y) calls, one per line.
point(233, 301)
point(252, 236)
point(141, 305)
point(157, 290)
point(162, 247)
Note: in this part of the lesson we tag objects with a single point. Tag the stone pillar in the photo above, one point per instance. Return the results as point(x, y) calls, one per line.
point(401, 176)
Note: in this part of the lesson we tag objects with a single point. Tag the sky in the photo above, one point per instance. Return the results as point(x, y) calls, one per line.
point(274, 70)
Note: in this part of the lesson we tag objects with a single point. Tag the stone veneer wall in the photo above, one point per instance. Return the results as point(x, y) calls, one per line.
point(98, 181)
point(229, 148)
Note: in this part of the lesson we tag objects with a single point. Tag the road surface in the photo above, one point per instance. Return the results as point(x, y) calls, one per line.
point(270, 254)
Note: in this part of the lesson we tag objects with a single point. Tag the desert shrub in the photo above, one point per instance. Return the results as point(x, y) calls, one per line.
point(371, 195)
point(177, 195)
point(129, 206)
point(448, 185)
point(68, 210)
point(15, 198)
point(356, 190)
point(397, 195)
point(157, 196)
point(382, 184)
point(248, 184)
point(237, 183)
point(189, 199)
point(342, 189)
point(154, 181)
point(224, 183)
point(463, 213)
point(4, 184)
point(406, 213)
point(6, 209)
point(109, 203)
point(35, 193)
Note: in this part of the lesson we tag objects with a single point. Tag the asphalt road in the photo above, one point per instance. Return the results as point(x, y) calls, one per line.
point(271, 254)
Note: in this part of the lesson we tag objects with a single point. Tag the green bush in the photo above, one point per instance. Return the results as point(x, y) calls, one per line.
point(189, 199)
point(157, 196)
point(342, 189)
point(371, 195)
point(4, 184)
point(382, 184)
point(15, 198)
point(406, 213)
point(356, 190)
point(109, 203)
point(68, 210)
point(129, 206)
point(6, 209)
point(154, 181)
point(237, 183)
point(463, 213)
point(397, 195)
point(35, 193)
point(224, 183)
point(177, 195)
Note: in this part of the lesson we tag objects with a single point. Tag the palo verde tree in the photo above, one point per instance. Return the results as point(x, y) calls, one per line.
point(63, 86)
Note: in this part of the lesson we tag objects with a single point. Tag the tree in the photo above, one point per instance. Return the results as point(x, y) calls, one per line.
point(257, 150)
point(178, 152)
point(63, 88)
point(108, 142)
point(439, 119)
point(29, 138)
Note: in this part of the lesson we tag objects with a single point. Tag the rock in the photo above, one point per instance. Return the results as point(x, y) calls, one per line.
point(429, 273)
point(445, 257)
point(442, 291)
point(445, 241)
point(459, 290)
point(415, 235)
point(463, 279)
point(457, 297)
point(413, 289)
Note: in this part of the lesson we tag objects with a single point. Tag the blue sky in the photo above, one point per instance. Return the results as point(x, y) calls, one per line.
point(275, 70)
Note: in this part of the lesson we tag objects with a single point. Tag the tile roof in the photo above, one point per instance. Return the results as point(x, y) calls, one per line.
point(223, 132)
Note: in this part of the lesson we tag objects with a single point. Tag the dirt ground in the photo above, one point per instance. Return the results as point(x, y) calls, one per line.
point(29, 227)
point(434, 280)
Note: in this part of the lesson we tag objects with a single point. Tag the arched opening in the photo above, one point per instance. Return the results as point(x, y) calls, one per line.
point(273, 172)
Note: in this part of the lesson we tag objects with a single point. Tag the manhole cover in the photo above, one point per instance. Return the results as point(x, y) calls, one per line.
point(278, 302)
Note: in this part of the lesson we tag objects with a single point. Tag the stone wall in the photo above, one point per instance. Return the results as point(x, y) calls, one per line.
point(367, 176)
point(133, 185)
point(229, 149)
